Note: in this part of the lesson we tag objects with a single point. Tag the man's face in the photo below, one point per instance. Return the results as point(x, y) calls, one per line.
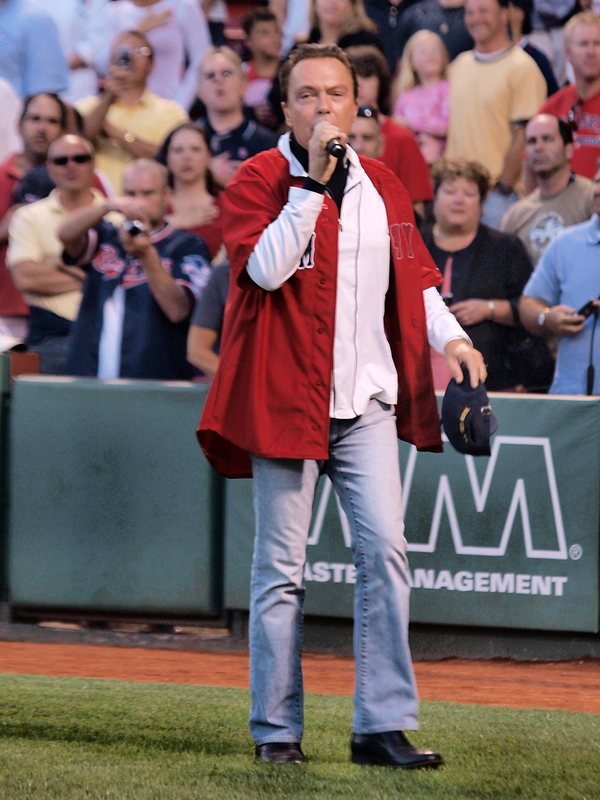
point(484, 20)
point(70, 164)
point(320, 90)
point(365, 137)
point(130, 62)
point(40, 126)
point(265, 39)
point(583, 51)
point(221, 86)
point(545, 151)
point(596, 204)
point(145, 184)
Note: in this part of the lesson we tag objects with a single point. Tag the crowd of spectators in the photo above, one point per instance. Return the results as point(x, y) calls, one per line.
point(120, 112)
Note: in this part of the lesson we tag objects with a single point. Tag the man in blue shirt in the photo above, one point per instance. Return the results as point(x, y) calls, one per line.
point(141, 284)
point(565, 280)
point(31, 57)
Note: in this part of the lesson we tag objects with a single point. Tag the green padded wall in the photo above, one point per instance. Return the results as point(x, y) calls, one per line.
point(4, 400)
point(111, 498)
point(507, 541)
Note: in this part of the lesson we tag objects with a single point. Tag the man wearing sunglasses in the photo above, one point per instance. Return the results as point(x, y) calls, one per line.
point(579, 103)
point(51, 289)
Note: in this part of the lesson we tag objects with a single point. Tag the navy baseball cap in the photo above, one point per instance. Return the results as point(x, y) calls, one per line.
point(467, 417)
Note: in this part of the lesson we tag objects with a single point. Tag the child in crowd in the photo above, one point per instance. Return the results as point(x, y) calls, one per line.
point(263, 41)
point(423, 92)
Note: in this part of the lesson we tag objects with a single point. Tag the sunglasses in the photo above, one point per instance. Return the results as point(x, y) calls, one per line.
point(574, 115)
point(80, 158)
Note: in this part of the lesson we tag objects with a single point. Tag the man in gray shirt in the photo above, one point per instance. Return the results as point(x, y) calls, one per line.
point(561, 198)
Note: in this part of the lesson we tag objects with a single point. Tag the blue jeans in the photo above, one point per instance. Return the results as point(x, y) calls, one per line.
point(364, 470)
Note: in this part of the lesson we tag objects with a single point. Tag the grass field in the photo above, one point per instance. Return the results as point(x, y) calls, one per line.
point(70, 738)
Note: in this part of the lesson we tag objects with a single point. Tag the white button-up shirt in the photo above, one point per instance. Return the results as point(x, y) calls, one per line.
point(363, 367)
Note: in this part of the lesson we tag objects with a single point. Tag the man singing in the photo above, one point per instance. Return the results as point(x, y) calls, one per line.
point(324, 362)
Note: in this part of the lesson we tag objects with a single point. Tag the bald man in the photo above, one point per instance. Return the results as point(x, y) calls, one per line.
point(52, 290)
point(142, 282)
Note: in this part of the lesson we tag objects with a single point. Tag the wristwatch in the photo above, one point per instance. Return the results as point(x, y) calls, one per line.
point(542, 317)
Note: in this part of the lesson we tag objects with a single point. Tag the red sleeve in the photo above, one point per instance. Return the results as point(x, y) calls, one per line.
point(251, 201)
point(403, 156)
point(560, 103)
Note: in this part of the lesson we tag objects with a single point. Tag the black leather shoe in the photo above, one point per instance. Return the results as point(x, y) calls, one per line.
point(280, 753)
point(391, 749)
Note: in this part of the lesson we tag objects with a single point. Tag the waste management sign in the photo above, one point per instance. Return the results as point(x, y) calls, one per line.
point(509, 540)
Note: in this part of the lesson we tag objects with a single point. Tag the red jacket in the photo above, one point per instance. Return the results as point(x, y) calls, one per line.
point(402, 154)
point(11, 301)
point(270, 395)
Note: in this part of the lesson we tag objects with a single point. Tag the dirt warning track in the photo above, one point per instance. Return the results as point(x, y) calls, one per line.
point(567, 685)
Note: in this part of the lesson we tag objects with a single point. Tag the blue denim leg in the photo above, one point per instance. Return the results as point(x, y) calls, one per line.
point(364, 469)
point(284, 491)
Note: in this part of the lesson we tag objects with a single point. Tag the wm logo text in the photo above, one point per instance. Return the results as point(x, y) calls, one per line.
point(445, 501)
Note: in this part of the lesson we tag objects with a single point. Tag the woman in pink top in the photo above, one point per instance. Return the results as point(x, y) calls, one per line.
point(423, 92)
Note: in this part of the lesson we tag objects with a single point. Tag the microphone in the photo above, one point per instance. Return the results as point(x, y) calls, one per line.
point(335, 148)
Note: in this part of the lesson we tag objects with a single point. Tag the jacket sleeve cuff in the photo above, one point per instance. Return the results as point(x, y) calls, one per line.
point(314, 186)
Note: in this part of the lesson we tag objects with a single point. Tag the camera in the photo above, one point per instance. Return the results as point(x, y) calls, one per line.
point(587, 309)
point(124, 58)
point(134, 227)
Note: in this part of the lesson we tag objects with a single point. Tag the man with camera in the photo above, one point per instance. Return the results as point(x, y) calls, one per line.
point(128, 121)
point(142, 281)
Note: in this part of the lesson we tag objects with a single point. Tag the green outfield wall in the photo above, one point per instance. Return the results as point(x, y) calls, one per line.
point(509, 540)
point(113, 508)
point(112, 504)
point(4, 406)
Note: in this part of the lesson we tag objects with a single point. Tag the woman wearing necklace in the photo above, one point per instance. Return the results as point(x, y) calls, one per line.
point(484, 273)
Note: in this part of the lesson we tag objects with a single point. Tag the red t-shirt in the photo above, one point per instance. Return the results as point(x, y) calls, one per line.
point(11, 302)
point(587, 135)
point(402, 154)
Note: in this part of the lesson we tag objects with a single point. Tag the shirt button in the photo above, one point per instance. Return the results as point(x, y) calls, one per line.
point(315, 428)
point(322, 281)
point(318, 383)
point(319, 330)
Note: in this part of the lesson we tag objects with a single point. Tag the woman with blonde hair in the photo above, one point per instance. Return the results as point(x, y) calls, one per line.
point(423, 92)
point(341, 22)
